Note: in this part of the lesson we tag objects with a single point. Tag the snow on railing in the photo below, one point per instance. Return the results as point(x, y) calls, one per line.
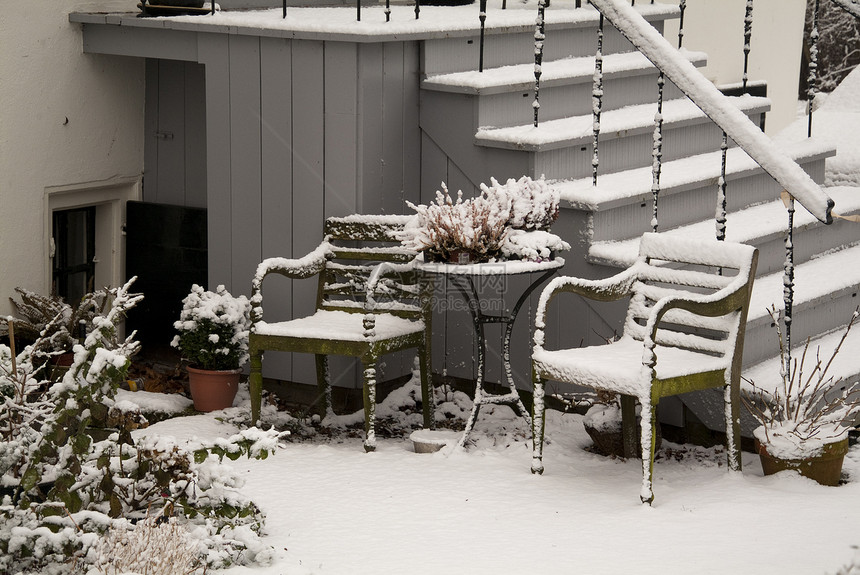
point(850, 6)
point(712, 102)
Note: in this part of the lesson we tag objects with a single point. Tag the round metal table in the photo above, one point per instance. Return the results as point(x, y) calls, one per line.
point(463, 277)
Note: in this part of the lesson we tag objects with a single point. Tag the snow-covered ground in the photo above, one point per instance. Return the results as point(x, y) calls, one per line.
point(334, 509)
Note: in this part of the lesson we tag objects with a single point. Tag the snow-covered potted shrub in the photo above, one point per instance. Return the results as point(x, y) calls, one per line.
point(804, 421)
point(213, 337)
point(504, 222)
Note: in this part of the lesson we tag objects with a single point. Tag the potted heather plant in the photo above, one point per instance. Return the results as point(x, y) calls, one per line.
point(53, 326)
point(213, 338)
point(804, 421)
point(504, 222)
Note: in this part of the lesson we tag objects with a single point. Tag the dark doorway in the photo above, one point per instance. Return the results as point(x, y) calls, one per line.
point(166, 248)
point(74, 268)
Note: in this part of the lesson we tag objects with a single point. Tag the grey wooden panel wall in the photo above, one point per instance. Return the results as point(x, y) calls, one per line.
point(298, 131)
point(175, 133)
point(276, 177)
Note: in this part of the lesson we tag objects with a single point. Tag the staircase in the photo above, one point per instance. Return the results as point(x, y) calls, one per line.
point(481, 125)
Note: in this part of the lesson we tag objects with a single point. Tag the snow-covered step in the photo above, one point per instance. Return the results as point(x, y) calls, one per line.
point(761, 225)
point(569, 32)
point(506, 93)
point(563, 149)
point(621, 203)
point(825, 295)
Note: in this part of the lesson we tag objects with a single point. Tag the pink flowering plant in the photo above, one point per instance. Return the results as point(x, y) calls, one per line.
point(505, 221)
point(213, 329)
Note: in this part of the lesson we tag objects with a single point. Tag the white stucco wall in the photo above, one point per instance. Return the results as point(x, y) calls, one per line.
point(68, 122)
point(717, 27)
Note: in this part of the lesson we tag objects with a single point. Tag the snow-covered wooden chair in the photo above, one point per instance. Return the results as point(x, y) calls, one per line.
point(683, 332)
point(370, 302)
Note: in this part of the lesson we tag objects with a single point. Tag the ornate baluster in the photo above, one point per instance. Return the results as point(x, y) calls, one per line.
point(417, 8)
point(482, 16)
point(812, 79)
point(657, 150)
point(388, 10)
point(748, 19)
point(597, 101)
point(721, 192)
point(682, 5)
point(788, 281)
point(539, 40)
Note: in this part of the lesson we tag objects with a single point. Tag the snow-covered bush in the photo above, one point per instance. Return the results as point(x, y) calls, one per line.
point(63, 488)
point(213, 329)
point(806, 411)
point(51, 322)
point(505, 221)
point(153, 547)
point(476, 227)
point(534, 203)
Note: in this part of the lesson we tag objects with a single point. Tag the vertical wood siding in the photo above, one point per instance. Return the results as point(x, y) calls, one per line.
point(214, 52)
point(276, 137)
point(298, 131)
point(308, 191)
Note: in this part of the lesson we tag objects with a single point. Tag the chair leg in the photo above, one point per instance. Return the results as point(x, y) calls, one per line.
point(733, 426)
point(649, 445)
point(324, 386)
point(255, 383)
point(628, 426)
point(369, 366)
point(428, 401)
point(538, 424)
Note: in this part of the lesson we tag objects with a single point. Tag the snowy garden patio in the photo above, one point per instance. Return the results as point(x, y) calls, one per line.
point(331, 508)
point(84, 476)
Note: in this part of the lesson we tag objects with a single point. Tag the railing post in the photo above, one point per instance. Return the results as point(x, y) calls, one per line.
point(682, 5)
point(721, 192)
point(417, 8)
point(388, 10)
point(597, 101)
point(788, 281)
point(748, 19)
point(482, 16)
point(539, 40)
point(657, 150)
point(812, 79)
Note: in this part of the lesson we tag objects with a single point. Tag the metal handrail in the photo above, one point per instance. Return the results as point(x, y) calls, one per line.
point(711, 101)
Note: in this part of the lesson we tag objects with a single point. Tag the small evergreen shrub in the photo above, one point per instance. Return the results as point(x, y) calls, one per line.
point(213, 329)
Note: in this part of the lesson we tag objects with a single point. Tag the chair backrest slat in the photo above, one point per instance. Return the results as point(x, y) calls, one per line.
point(358, 244)
point(667, 267)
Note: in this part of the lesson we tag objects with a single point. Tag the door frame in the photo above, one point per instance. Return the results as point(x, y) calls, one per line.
point(109, 198)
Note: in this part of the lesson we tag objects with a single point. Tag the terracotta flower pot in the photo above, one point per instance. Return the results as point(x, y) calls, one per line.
point(825, 468)
point(213, 390)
